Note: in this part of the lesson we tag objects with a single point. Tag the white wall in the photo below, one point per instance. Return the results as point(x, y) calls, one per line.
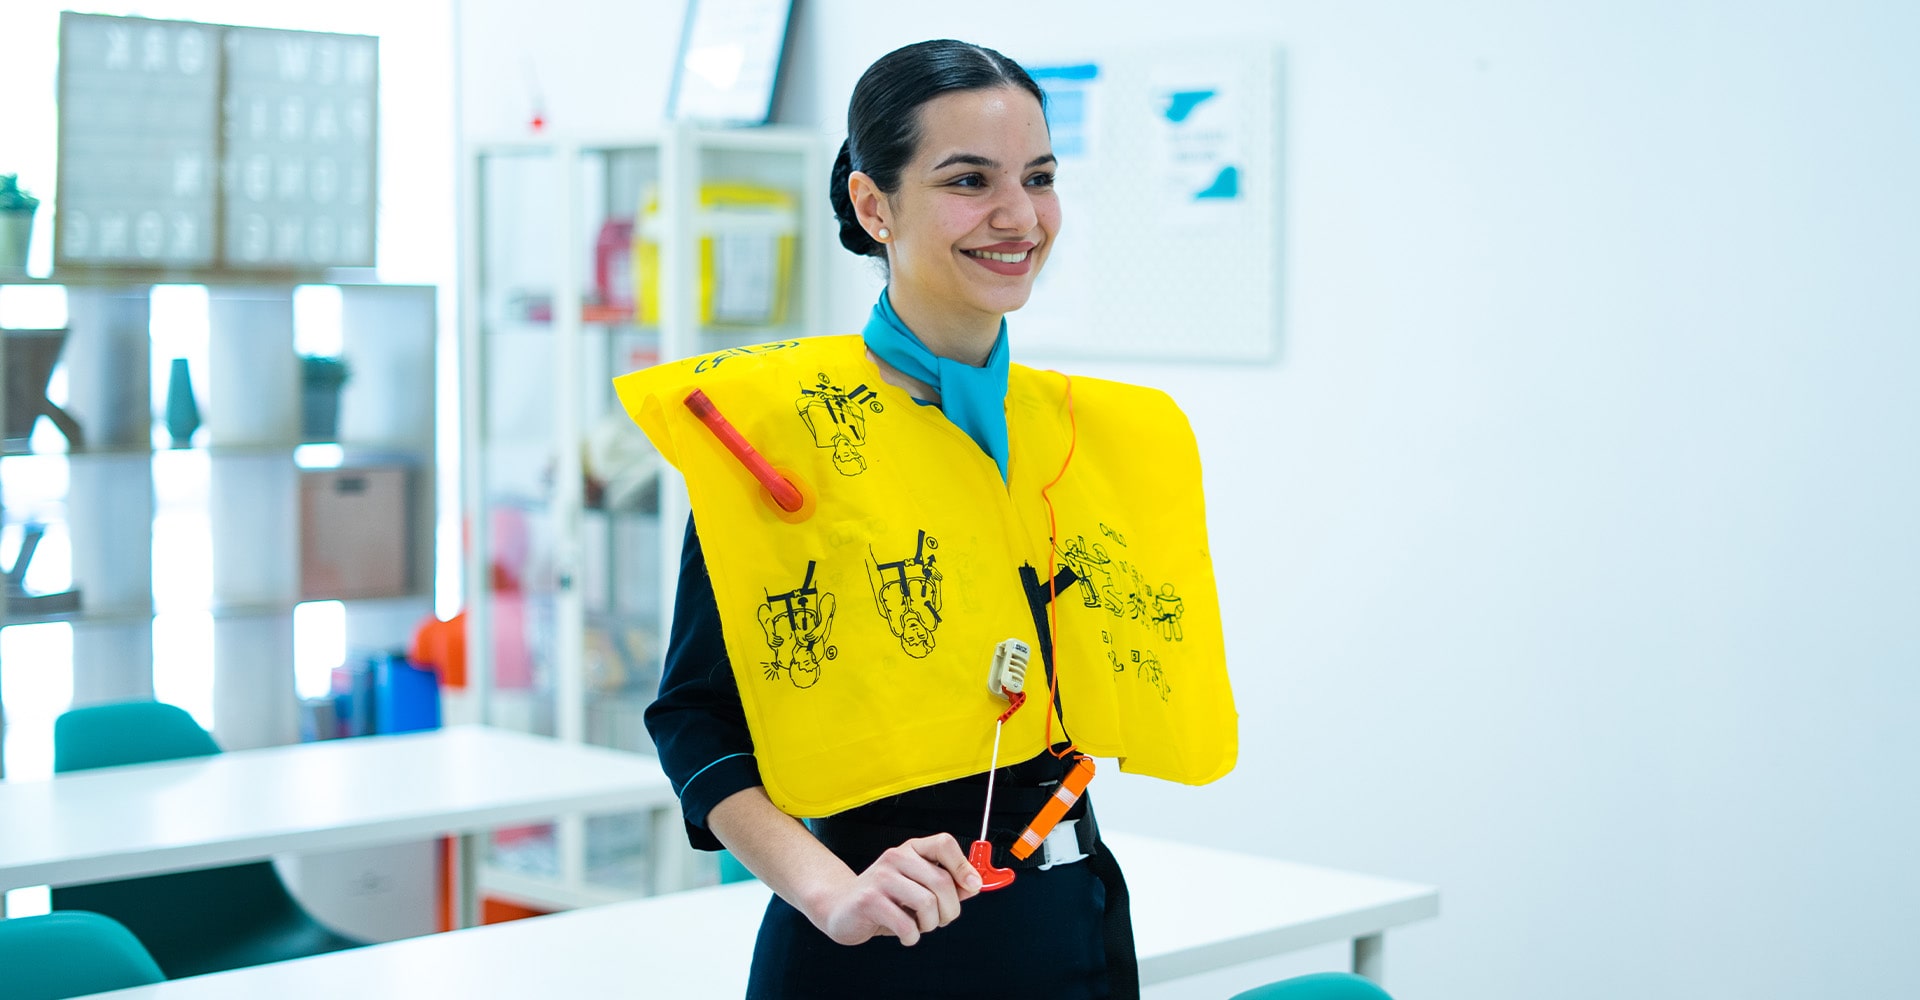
point(1570, 553)
point(586, 67)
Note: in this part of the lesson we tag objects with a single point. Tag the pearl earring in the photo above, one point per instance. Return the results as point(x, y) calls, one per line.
point(884, 233)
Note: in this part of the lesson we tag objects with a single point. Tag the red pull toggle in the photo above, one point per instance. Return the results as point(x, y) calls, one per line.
point(784, 493)
point(991, 878)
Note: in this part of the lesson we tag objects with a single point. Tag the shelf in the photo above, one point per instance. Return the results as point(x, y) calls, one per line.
point(621, 514)
point(541, 323)
point(787, 140)
point(535, 223)
point(111, 617)
point(610, 316)
point(269, 609)
point(355, 452)
point(120, 617)
point(602, 618)
point(73, 277)
point(763, 138)
point(196, 554)
point(766, 139)
point(98, 454)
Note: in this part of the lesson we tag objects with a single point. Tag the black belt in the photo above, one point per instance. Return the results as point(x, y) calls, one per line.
point(860, 836)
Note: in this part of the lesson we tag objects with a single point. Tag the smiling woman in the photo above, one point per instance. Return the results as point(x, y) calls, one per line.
point(947, 175)
point(958, 492)
point(973, 218)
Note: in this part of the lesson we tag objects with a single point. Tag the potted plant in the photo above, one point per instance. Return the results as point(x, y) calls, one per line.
point(16, 223)
point(321, 376)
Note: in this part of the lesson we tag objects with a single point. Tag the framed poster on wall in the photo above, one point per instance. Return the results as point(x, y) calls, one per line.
point(1178, 149)
point(729, 62)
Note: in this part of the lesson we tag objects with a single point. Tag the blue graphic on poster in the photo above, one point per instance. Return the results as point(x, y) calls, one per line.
point(1072, 100)
point(1202, 150)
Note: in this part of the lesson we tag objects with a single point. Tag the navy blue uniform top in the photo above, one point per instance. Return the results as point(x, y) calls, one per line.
point(697, 722)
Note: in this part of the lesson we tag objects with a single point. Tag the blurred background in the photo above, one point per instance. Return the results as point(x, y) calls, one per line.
point(1564, 515)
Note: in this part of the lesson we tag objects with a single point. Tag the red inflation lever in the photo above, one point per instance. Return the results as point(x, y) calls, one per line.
point(784, 493)
point(991, 878)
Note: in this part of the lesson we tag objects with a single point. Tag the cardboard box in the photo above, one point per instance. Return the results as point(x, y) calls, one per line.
point(355, 539)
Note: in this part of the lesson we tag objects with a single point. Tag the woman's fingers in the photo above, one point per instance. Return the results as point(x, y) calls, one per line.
point(937, 878)
point(865, 910)
point(914, 898)
point(923, 887)
point(943, 850)
point(892, 918)
point(916, 887)
point(912, 889)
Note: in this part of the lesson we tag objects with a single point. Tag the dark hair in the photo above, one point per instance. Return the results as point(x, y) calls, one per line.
point(883, 119)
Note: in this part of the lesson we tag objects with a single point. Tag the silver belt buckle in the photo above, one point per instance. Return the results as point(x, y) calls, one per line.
point(1062, 846)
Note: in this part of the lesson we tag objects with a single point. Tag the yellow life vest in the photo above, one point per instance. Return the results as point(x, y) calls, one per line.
point(861, 628)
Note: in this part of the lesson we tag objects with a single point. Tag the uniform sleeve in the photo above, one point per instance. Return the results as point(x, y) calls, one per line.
point(697, 722)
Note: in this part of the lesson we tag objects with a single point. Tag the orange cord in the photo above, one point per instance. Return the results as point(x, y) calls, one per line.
point(1053, 560)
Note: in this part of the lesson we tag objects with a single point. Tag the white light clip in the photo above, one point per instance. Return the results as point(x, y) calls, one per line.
point(1008, 674)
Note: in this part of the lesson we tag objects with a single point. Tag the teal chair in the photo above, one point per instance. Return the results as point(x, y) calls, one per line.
point(191, 922)
point(1319, 986)
point(133, 732)
point(70, 954)
point(731, 870)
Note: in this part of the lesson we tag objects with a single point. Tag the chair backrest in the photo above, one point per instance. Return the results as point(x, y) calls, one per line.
point(68, 954)
point(191, 922)
point(130, 732)
point(1319, 986)
point(731, 870)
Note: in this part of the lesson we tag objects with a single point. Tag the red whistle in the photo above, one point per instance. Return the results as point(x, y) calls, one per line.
point(784, 493)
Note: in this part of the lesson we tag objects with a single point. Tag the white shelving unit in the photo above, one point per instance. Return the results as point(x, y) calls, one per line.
point(570, 596)
point(112, 508)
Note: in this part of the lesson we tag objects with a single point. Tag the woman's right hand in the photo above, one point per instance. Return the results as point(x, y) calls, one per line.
point(913, 888)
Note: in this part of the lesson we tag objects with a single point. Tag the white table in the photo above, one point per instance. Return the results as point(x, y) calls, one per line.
point(146, 819)
point(1194, 910)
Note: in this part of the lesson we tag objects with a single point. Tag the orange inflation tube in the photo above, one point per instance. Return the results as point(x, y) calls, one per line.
point(1063, 799)
point(784, 493)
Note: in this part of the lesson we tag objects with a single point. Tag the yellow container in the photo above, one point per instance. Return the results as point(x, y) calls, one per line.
point(746, 234)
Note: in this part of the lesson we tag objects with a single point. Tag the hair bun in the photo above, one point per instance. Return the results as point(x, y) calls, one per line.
point(853, 236)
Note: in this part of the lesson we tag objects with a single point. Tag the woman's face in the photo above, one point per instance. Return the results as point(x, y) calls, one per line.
point(975, 214)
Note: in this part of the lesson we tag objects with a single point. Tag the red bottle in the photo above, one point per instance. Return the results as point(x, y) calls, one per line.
point(613, 265)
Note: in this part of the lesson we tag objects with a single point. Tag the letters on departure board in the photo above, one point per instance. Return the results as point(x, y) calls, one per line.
point(200, 146)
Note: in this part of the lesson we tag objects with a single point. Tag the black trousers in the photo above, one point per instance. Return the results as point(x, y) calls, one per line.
point(1058, 934)
point(1039, 937)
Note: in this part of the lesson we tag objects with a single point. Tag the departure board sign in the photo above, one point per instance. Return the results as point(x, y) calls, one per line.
point(139, 137)
point(207, 147)
point(299, 148)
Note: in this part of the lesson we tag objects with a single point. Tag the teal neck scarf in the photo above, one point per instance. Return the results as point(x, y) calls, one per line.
point(973, 398)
